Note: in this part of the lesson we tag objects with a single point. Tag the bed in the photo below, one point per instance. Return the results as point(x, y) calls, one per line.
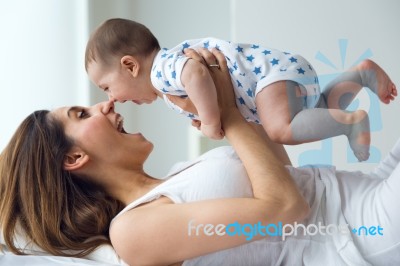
point(102, 256)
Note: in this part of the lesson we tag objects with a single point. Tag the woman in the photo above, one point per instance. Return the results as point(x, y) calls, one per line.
point(165, 222)
point(60, 162)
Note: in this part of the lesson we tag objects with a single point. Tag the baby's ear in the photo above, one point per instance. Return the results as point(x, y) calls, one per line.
point(75, 160)
point(131, 64)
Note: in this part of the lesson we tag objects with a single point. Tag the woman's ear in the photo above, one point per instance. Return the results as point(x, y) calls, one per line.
point(131, 64)
point(75, 160)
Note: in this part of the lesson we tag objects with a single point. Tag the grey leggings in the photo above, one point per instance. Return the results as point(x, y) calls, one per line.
point(317, 123)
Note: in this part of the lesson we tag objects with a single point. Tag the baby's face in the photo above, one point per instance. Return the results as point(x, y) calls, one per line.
point(120, 84)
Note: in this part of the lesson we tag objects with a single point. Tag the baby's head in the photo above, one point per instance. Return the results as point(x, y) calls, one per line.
point(118, 37)
point(118, 59)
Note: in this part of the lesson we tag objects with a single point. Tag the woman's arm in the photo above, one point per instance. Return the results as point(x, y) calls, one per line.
point(265, 170)
point(162, 233)
point(277, 148)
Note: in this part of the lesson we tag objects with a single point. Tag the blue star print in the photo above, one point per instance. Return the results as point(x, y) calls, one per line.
point(300, 71)
point(250, 58)
point(185, 45)
point(257, 70)
point(250, 67)
point(249, 92)
point(274, 61)
point(239, 49)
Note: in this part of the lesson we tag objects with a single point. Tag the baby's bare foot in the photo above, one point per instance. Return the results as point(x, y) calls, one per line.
point(375, 78)
point(359, 137)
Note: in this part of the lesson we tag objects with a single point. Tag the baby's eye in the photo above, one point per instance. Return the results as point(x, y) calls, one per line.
point(82, 114)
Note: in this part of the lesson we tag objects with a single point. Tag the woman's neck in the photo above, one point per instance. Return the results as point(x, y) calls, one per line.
point(128, 186)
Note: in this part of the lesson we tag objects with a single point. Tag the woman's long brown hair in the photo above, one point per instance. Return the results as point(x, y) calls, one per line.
point(60, 212)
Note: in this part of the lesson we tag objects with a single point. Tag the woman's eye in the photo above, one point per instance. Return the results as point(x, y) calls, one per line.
point(82, 114)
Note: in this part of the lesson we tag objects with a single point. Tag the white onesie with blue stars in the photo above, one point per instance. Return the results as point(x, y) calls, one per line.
point(252, 68)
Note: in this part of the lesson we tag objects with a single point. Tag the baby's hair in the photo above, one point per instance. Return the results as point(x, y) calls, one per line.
point(119, 37)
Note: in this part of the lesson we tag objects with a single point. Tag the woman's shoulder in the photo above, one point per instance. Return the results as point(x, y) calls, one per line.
point(226, 152)
point(219, 153)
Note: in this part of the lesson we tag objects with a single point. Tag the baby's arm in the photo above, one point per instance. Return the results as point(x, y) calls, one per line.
point(201, 90)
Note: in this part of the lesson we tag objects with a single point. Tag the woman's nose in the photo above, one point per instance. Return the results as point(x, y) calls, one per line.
point(111, 98)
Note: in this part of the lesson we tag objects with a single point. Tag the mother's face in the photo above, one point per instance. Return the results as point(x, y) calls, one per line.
point(98, 131)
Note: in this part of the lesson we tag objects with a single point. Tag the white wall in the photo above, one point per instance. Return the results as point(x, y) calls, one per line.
point(41, 58)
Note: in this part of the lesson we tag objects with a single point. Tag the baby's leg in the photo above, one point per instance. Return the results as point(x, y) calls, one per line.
point(341, 91)
point(280, 105)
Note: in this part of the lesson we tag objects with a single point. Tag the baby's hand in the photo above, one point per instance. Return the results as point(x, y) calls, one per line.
point(212, 131)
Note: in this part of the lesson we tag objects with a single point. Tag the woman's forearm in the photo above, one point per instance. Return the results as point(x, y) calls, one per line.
point(277, 148)
point(269, 178)
point(271, 182)
point(265, 170)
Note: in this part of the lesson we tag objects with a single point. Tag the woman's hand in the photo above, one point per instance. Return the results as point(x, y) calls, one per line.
point(216, 63)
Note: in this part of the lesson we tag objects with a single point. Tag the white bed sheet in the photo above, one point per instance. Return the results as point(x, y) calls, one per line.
point(103, 255)
point(34, 260)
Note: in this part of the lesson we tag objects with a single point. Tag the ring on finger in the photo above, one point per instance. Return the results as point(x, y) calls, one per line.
point(214, 65)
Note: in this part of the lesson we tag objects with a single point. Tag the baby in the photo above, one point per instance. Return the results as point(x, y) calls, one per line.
point(278, 90)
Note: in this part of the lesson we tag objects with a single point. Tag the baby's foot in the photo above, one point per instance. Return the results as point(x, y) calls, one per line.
point(359, 137)
point(375, 78)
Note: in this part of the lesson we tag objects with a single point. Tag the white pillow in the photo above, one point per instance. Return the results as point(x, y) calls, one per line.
point(104, 253)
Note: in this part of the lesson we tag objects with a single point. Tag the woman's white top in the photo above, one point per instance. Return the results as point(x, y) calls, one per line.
point(220, 174)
